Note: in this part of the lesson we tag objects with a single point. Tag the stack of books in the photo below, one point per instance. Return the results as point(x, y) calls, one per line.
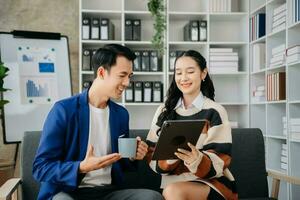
point(295, 128)
point(259, 56)
point(257, 26)
point(276, 86)
point(220, 6)
point(223, 60)
point(284, 158)
point(258, 94)
point(278, 56)
point(279, 18)
point(293, 54)
point(296, 10)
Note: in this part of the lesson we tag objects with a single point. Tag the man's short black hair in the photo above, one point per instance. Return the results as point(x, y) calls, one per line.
point(107, 56)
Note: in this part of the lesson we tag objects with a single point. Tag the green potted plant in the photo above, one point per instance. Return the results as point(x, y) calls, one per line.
point(157, 9)
point(3, 74)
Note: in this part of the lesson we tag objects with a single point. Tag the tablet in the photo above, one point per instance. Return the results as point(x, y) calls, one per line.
point(176, 134)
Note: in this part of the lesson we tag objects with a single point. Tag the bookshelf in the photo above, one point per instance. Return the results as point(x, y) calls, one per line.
point(274, 117)
point(178, 13)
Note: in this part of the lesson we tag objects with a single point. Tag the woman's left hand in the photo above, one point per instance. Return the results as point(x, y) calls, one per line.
point(188, 156)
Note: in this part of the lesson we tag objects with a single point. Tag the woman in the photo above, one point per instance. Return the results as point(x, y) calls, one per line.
point(202, 172)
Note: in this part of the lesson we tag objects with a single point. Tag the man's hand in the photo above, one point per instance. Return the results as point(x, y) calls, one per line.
point(91, 162)
point(188, 156)
point(142, 149)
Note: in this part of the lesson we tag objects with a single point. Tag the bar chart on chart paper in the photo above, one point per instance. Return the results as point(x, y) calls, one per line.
point(38, 90)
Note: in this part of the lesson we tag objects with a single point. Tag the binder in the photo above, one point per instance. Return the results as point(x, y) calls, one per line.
point(95, 33)
point(86, 27)
point(172, 58)
point(104, 29)
point(136, 30)
point(107, 29)
point(145, 61)
point(86, 84)
point(128, 29)
point(129, 93)
point(137, 62)
point(203, 30)
point(92, 54)
point(191, 31)
point(157, 91)
point(147, 87)
point(86, 60)
point(154, 64)
point(138, 91)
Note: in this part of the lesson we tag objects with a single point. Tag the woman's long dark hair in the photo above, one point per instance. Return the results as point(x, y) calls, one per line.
point(173, 94)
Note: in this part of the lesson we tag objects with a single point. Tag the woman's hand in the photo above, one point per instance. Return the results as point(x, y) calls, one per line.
point(188, 156)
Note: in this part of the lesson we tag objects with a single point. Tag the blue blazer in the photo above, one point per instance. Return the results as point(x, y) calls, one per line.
point(64, 142)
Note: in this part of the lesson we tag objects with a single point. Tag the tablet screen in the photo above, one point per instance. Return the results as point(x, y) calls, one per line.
point(176, 134)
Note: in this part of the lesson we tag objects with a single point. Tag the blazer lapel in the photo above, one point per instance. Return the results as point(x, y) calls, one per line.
point(84, 120)
point(114, 126)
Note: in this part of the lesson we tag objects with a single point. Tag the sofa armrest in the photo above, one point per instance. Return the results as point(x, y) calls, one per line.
point(9, 187)
point(277, 177)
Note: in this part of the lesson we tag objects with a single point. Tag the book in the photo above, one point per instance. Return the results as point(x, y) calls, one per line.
point(258, 56)
point(279, 9)
point(147, 87)
point(95, 32)
point(203, 30)
point(129, 93)
point(293, 58)
point(86, 28)
point(128, 29)
point(293, 50)
point(136, 30)
point(223, 64)
point(223, 58)
point(220, 50)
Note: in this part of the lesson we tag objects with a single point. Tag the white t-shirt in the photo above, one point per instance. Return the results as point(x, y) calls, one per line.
point(99, 138)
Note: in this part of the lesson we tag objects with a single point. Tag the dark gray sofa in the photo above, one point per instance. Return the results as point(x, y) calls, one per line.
point(248, 167)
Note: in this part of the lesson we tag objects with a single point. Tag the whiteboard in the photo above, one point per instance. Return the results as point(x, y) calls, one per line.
point(39, 75)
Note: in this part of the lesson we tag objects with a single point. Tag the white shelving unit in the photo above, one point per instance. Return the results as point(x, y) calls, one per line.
point(178, 13)
point(267, 115)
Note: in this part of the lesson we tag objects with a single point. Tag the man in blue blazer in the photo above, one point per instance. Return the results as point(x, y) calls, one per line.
point(77, 156)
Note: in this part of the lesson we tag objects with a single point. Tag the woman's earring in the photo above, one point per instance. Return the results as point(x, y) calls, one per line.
point(203, 80)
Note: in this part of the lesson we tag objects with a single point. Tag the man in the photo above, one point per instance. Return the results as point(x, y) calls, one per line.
point(77, 155)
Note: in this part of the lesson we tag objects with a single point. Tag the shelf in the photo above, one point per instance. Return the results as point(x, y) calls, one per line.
point(294, 102)
point(228, 16)
point(294, 64)
point(148, 73)
point(282, 31)
point(276, 102)
point(280, 67)
point(106, 12)
point(259, 72)
point(140, 43)
point(135, 12)
point(276, 137)
point(187, 43)
point(187, 13)
point(101, 41)
point(87, 72)
point(231, 43)
point(258, 103)
point(233, 103)
point(259, 40)
point(229, 74)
